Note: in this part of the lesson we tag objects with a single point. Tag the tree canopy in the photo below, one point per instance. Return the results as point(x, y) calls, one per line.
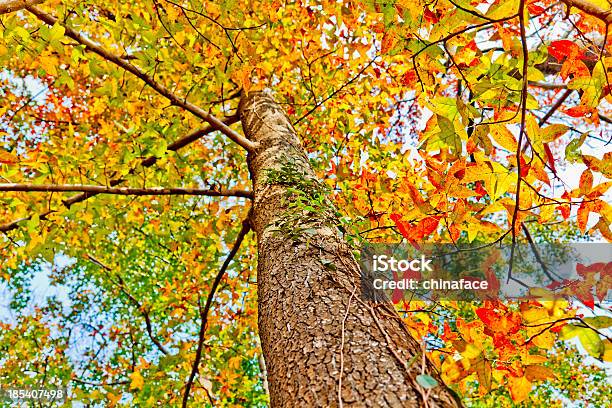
point(124, 182)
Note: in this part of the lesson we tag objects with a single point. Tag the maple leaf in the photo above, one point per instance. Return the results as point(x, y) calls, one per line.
point(562, 49)
point(137, 381)
point(519, 388)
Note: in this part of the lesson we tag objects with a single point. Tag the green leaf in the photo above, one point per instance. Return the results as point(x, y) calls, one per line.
point(588, 338)
point(33, 223)
point(426, 381)
point(599, 322)
point(56, 32)
point(568, 332)
point(572, 151)
point(591, 342)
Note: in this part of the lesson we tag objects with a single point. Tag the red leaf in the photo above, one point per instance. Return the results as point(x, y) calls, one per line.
point(551, 158)
point(455, 233)
point(409, 78)
point(585, 296)
point(565, 49)
point(583, 216)
point(430, 16)
point(487, 316)
point(584, 270)
point(524, 167)
point(426, 226)
point(578, 111)
point(471, 146)
point(535, 10)
point(480, 189)
point(492, 279)
point(397, 293)
point(459, 174)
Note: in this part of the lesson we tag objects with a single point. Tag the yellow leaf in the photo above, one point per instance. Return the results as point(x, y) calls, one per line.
point(533, 359)
point(504, 137)
point(544, 341)
point(137, 381)
point(519, 388)
point(553, 132)
point(7, 158)
point(607, 355)
point(49, 64)
point(234, 362)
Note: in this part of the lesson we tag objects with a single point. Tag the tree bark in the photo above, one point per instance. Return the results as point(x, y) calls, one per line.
point(323, 343)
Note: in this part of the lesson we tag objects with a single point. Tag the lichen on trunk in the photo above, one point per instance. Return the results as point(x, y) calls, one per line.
point(323, 343)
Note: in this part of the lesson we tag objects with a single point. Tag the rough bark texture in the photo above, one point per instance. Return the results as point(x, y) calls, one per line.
point(324, 345)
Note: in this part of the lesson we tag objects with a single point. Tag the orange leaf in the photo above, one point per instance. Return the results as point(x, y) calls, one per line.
point(586, 181)
point(538, 373)
point(519, 388)
point(583, 216)
point(7, 158)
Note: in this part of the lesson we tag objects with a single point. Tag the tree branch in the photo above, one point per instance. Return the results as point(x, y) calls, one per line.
point(8, 6)
point(605, 118)
point(147, 162)
point(246, 227)
point(590, 9)
point(151, 160)
point(522, 134)
point(136, 303)
point(48, 188)
point(555, 106)
point(149, 80)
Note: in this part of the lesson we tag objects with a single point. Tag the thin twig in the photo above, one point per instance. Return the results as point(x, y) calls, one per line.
point(121, 284)
point(147, 162)
point(523, 108)
point(246, 227)
point(148, 79)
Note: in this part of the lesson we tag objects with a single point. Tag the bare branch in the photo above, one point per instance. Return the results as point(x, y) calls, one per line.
point(331, 95)
point(522, 133)
point(15, 224)
point(555, 106)
point(8, 6)
point(591, 9)
point(545, 85)
point(149, 80)
point(246, 227)
point(48, 188)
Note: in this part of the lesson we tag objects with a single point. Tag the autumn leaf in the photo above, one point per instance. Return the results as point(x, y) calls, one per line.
point(7, 158)
point(586, 181)
point(519, 388)
point(538, 373)
point(137, 381)
point(562, 49)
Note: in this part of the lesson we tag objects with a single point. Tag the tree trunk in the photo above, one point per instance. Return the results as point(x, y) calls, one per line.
point(323, 343)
